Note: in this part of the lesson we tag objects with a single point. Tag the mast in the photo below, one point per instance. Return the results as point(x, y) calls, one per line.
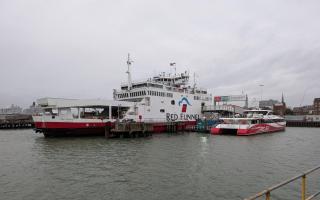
point(129, 62)
point(172, 64)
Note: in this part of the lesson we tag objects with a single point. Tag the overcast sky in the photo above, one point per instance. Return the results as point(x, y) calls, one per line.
point(78, 48)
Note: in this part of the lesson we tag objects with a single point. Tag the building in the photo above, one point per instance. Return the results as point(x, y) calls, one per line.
point(280, 108)
point(303, 110)
point(11, 110)
point(268, 103)
point(316, 106)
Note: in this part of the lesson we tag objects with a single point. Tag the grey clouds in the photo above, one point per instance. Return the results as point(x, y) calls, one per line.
point(78, 49)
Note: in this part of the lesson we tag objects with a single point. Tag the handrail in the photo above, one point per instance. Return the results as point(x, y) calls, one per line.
point(268, 191)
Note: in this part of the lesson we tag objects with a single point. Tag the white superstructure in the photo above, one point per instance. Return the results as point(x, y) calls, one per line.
point(165, 97)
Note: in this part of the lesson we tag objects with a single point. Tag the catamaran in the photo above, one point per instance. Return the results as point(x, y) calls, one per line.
point(254, 122)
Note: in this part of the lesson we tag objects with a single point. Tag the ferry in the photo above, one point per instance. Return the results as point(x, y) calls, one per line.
point(254, 122)
point(163, 98)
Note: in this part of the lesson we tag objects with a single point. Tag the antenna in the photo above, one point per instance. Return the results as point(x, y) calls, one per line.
point(173, 64)
point(129, 62)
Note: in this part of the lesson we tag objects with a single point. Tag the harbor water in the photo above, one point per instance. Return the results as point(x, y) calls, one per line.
point(182, 166)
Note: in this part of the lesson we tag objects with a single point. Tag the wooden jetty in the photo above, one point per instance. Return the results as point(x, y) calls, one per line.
point(15, 121)
point(303, 123)
point(141, 129)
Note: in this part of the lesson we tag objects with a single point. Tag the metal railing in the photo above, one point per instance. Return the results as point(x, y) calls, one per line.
point(303, 176)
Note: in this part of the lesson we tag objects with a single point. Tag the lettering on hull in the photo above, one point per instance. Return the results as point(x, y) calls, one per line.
point(182, 117)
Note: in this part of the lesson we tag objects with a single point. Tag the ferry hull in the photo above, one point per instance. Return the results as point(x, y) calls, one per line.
point(61, 129)
point(58, 129)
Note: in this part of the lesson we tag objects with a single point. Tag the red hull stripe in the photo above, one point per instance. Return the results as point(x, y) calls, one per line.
point(158, 127)
point(71, 125)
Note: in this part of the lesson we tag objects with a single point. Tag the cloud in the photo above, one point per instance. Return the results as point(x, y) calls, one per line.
point(78, 49)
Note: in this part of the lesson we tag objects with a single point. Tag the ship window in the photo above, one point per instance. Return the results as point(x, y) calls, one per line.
point(162, 110)
point(173, 102)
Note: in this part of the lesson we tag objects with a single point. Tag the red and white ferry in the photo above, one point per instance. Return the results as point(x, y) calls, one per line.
point(159, 99)
point(256, 121)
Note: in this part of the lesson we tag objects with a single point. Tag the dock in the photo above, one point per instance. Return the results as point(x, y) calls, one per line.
point(16, 121)
point(303, 124)
point(142, 129)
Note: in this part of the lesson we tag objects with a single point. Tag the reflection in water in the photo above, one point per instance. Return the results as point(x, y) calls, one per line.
point(184, 166)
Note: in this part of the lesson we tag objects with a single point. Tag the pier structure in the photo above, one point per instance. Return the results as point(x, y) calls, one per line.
point(142, 129)
point(15, 121)
point(303, 120)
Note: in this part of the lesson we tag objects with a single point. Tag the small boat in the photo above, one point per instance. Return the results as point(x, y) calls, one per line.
point(254, 122)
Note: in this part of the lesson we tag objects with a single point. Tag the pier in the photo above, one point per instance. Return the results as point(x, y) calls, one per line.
point(15, 121)
point(303, 124)
point(142, 129)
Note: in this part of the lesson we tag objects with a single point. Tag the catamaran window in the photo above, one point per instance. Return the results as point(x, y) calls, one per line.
point(173, 102)
point(162, 110)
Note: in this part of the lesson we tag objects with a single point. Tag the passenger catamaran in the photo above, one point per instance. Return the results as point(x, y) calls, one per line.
point(162, 98)
point(256, 121)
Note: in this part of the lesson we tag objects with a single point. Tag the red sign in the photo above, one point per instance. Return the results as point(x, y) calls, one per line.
point(184, 108)
point(217, 98)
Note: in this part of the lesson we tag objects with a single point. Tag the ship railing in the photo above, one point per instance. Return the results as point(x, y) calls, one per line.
point(303, 177)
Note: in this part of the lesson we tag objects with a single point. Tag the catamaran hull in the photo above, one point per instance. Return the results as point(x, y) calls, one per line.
point(251, 130)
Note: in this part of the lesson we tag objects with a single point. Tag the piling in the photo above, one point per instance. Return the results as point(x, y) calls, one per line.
point(303, 124)
point(16, 121)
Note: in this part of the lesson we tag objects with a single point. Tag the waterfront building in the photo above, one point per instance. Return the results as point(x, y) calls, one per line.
point(268, 103)
point(303, 110)
point(316, 106)
point(13, 109)
point(280, 108)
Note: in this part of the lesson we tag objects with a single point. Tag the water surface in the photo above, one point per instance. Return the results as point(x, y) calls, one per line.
point(168, 166)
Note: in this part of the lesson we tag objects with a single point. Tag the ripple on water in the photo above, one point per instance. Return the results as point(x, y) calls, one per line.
point(184, 166)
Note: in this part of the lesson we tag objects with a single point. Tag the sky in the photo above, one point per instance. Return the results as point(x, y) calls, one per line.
point(78, 48)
